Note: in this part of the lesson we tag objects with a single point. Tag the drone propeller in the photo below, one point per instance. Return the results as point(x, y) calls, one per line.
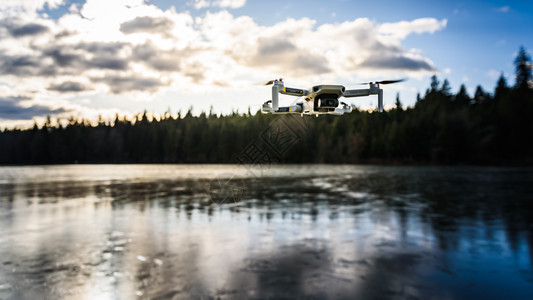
point(271, 81)
point(385, 81)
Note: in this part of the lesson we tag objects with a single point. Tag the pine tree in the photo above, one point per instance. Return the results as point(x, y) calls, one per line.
point(434, 83)
point(462, 97)
point(501, 87)
point(446, 89)
point(523, 69)
point(480, 96)
point(398, 103)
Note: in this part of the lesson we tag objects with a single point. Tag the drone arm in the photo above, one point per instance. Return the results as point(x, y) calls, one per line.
point(380, 100)
point(279, 88)
point(367, 92)
point(275, 96)
point(294, 92)
point(356, 93)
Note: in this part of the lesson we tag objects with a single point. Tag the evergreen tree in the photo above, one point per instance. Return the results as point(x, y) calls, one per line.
point(501, 87)
point(398, 103)
point(434, 85)
point(446, 89)
point(462, 97)
point(523, 69)
point(480, 96)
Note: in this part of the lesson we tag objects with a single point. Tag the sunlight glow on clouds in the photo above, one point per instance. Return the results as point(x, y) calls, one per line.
point(131, 47)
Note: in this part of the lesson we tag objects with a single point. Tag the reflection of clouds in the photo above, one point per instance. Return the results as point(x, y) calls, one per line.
point(111, 231)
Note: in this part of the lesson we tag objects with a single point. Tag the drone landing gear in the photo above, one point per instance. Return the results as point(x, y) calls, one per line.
point(268, 109)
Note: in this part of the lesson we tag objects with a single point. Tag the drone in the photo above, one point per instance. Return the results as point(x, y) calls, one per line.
point(320, 99)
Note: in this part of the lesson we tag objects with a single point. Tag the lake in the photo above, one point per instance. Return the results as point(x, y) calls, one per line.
point(282, 231)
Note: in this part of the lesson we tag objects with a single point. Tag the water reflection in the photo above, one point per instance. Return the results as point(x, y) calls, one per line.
point(299, 231)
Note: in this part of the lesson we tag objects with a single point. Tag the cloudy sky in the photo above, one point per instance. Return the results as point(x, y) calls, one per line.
point(101, 57)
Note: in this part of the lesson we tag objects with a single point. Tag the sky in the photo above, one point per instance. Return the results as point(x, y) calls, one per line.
point(90, 58)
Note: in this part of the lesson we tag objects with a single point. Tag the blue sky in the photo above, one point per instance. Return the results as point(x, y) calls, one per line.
point(95, 57)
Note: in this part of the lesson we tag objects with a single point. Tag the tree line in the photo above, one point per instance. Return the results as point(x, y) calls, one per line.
point(442, 127)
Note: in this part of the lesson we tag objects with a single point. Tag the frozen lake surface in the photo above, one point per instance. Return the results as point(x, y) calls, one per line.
point(309, 231)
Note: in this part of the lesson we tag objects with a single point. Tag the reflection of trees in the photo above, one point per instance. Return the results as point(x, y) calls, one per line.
point(54, 191)
point(457, 203)
point(450, 198)
point(7, 195)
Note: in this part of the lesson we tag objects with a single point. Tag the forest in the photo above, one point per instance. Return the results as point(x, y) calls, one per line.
point(441, 128)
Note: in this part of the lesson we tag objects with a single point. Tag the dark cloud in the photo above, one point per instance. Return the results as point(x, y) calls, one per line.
point(18, 64)
point(27, 30)
point(77, 59)
point(195, 71)
point(392, 57)
point(122, 84)
point(68, 86)
point(64, 56)
point(65, 60)
point(168, 64)
point(379, 47)
point(118, 64)
point(50, 62)
point(60, 59)
point(16, 28)
point(104, 55)
point(268, 47)
point(312, 63)
point(101, 48)
point(64, 34)
point(157, 59)
point(10, 109)
point(397, 63)
point(24, 65)
point(283, 53)
point(158, 25)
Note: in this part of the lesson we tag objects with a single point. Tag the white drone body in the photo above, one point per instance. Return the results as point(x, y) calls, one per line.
point(320, 99)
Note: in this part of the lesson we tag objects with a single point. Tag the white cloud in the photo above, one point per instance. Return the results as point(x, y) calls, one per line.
point(400, 30)
point(199, 4)
point(29, 5)
point(230, 3)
